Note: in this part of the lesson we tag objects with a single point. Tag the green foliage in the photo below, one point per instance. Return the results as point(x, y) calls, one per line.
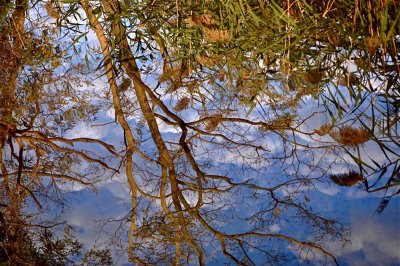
point(58, 251)
point(40, 100)
point(42, 248)
point(241, 67)
point(97, 257)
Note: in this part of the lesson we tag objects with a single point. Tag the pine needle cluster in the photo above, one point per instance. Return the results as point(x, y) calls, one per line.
point(213, 123)
point(182, 104)
point(323, 130)
point(208, 61)
point(204, 20)
point(348, 179)
point(351, 136)
point(124, 84)
point(216, 35)
point(283, 122)
point(51, 10)
point(372, 44)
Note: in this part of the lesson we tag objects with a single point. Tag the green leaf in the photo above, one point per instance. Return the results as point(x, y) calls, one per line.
point(76, 40)
point(253, 105)
point(98, 10)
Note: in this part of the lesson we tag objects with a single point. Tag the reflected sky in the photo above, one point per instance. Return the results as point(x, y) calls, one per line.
point(375, 238)
point(208, 174)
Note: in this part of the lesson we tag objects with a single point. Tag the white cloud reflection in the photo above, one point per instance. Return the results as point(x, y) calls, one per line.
point(375, 239)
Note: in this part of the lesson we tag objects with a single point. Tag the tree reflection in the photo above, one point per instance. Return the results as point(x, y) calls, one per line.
point(37, 106)
point(229, 111)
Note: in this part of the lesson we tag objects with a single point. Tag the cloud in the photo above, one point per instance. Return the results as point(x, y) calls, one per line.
point(274, 228)
point(328, 189)
point(88, 213)
point(375, 240)
point(165, 128)
point(83, 130)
